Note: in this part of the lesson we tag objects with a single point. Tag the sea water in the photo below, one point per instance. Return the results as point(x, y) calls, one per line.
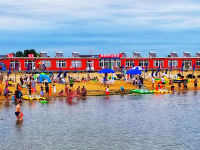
point(138, 122)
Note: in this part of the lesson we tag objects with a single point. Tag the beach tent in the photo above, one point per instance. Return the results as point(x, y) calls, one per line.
point(43, 76)
point(106, 70)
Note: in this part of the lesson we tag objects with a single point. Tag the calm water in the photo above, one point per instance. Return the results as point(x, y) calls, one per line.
point(168, 121)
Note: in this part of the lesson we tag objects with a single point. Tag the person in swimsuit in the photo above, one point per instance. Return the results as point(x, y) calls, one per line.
point(18, 112)
point(17, 95)
point(47, 88)
point(179, 86)
point(42, 92)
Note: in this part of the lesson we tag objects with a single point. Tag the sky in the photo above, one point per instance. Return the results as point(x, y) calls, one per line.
point(103, 26)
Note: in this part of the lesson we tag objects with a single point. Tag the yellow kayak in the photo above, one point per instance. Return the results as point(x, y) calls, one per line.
point(33, 98)
point(162, 91)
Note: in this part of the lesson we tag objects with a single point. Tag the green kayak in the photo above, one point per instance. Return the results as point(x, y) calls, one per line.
point(142, 91)
point(43, 101)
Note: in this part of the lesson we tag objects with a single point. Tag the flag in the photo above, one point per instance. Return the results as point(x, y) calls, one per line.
point(133, 65)
point(171, 67)
point(166, 71)
point(9, 72)
point(89, 68)
point(90, 51)
point(44, 67)
point(158, 68)
point(182, 67)
point(75, 67)
point(156, 73)
point(152, 73)
point(146, 68)
point(27, 68)
point(193, 66)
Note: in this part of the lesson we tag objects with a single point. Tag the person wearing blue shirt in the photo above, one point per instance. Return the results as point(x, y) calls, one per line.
point(122, 89)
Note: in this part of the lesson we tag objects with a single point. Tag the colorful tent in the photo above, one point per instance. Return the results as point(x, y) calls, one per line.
point(42, 77)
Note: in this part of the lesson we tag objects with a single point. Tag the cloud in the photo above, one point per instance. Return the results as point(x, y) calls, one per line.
point(138, 13)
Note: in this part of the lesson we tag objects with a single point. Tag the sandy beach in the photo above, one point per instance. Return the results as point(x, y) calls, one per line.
point(96, 88)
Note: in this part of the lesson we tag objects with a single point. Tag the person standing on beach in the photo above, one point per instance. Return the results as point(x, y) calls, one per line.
point(195, 84)
point(71, 83)
point(54, 90)
point(185, 85)
point(18, 112)
point(33, 84)
point(29, 88)
point(107, 91)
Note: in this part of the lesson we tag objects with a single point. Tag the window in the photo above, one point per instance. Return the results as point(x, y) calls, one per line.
point(13, 62)
point(142, 63)
point(174, 63)
point(197, 62)
point(76, 63)
point(109, 63)
point(61, 63)
point(31, 63)
point(187, 63)
point(158, 62)
point(47, 63)
point(129, 63)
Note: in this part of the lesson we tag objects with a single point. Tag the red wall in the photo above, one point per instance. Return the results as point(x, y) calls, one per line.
point(96, 62)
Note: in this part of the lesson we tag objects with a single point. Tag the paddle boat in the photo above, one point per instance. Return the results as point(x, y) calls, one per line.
point(162, 91)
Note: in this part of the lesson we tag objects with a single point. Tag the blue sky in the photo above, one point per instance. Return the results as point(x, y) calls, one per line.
point(104, 26)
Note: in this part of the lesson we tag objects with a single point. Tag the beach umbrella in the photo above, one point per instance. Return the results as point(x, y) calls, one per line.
point(59, 72)
point(152, 73)
point(138, 68)
point(106, 70)
point(171, 67)
point(182, 67)
point(156, 73)
point(134, 72)
point(166, 71)
point(9, 72)
point(146, 68)
point(44, 67)
point(65, 74)
point(27, 68)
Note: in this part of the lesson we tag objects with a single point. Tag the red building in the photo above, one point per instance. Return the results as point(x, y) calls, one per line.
point(97, 62)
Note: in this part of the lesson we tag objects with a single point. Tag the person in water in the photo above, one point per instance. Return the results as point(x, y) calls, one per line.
point(18, 112)
point(78, 92)
point(107, 91)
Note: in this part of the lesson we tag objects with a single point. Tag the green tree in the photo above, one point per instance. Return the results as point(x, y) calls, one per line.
point(31, 51)
point(19, 54)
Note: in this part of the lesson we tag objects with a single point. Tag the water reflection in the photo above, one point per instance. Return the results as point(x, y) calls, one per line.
point(18, 125)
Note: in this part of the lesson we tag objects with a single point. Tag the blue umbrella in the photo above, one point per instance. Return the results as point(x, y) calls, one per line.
point(166, 71)
point(106, 70)
point(152, 73)
point(182, 67)
point(171, 67)
point(134, 72)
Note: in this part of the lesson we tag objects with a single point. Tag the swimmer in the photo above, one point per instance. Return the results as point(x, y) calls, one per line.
point(18, 112)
